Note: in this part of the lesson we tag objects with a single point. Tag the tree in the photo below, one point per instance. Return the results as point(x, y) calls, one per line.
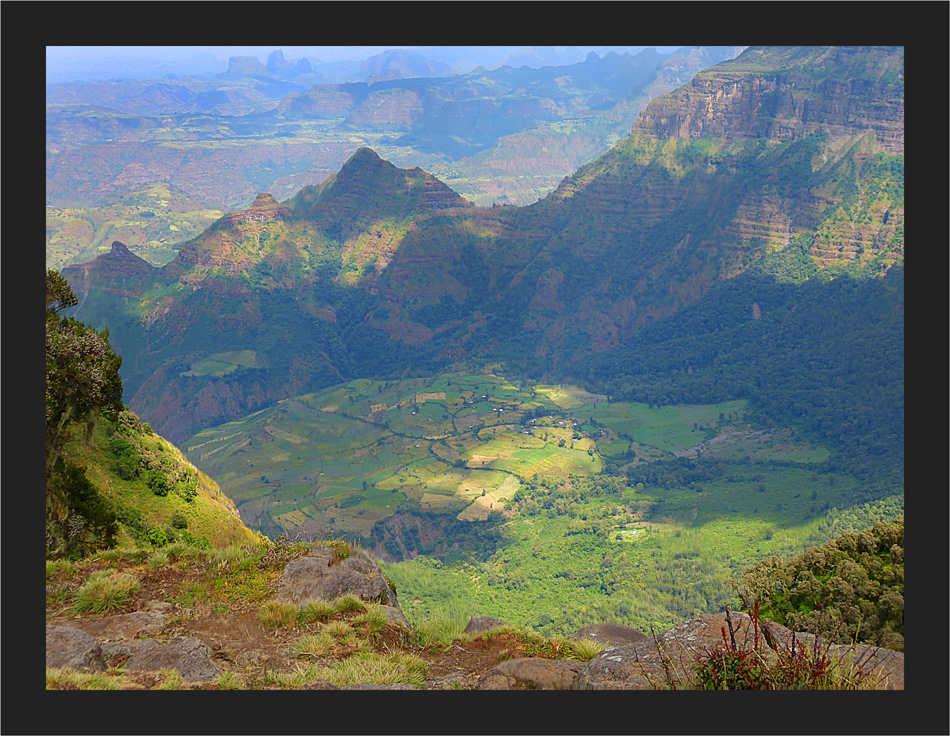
point(82, 371)
point(82, 384)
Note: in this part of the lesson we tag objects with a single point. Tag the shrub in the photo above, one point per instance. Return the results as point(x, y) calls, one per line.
point(178, 521)
point(157, 537)
point(157, 482)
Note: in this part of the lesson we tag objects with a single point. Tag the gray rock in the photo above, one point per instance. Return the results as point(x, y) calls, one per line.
point(125, 625)
point(453, 681)
point(318, 576)
point(532, 673)
point(611, 634)
point(396, 617)
point(69, 647)
point(159, 607)
point(480, 624)
point(318, 685)
point(188, 656)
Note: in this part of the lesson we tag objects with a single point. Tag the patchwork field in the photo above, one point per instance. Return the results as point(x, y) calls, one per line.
point(339, 460)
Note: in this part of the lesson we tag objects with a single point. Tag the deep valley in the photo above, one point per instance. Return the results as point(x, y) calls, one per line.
point(564, 346)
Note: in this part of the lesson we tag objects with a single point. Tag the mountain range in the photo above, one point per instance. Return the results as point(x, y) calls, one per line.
point(386, 271)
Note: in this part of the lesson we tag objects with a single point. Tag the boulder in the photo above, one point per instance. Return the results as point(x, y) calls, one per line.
point(480, 624)
point(670, 657)
point(610, 634)
point(188, 656)
point(69, 647)
point(532, 673)
point(321, 575)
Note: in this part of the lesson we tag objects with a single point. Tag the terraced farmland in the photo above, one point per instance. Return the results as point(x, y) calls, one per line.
point(339, 460)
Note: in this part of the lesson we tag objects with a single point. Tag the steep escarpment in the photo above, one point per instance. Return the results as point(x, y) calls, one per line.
point(783, 95)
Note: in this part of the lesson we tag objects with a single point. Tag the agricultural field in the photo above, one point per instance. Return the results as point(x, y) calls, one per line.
point(342, 459)
point(152, 222)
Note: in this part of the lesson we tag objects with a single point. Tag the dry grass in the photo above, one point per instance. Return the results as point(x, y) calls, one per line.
point(105, 591)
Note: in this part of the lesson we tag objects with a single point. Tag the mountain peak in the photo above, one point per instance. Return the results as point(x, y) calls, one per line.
point(373, 184)
point(120, 249)
point(116, 272)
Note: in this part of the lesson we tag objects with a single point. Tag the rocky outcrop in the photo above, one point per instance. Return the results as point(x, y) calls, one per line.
point(199, 648)
point(532, 673)
point(481, 624)
point(610, 634)
point(652, 664)
point(245, 66)
point(187, 655)
point(67, 646)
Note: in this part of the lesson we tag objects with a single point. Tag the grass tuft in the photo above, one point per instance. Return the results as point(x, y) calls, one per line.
point(158, 558)
point(172, 680)
point(65, 678)
point(380, 669)
point(105, 591)
point(317, 610)
point(314, 645)
point(229, 681)
point(276, 614)
point(441, 628)
point(372, 621)
point(348, 602)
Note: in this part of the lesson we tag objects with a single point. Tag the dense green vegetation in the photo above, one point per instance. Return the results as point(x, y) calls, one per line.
point(82, 383)
point(850, 589)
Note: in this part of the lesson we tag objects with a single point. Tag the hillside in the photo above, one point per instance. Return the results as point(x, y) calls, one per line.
point(159, 497)
point(130, 159)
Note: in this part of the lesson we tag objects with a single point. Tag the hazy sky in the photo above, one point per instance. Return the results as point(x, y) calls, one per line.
point(76, 63)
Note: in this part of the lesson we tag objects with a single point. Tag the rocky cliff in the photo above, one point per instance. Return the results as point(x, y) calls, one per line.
point(784, 95)
point(779, 150)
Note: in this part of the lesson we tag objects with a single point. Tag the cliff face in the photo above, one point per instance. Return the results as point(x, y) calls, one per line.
point(783, 97)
